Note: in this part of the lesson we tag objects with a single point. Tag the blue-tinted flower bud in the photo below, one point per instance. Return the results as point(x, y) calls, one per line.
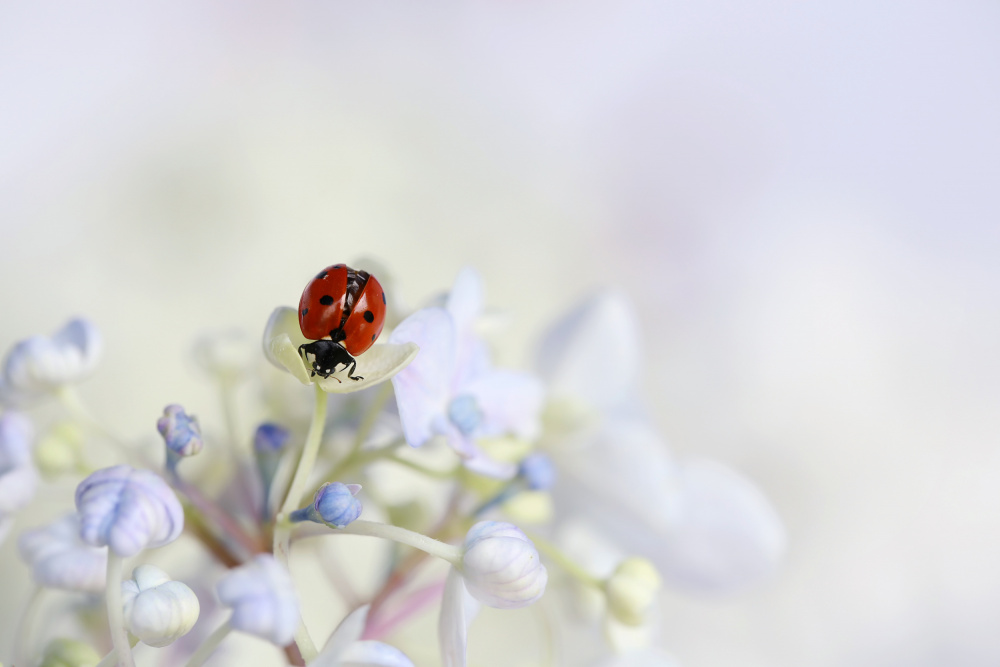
point(180, 432)
point(41, 364)
point(464, 413)
point(334, 503)
point(263, 600)
point(501, 566)
point(18, 478)
point(270, 438)
point(538, 471)
point(60, 559)
point(128, 510)
point(157, 610)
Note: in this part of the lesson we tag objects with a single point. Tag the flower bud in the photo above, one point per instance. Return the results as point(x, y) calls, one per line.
point(60, 451)
point(60, 559)
point(537, 471)
point(156, 609)
point(180, 432)
point(128, 509)
point(501, 566)
point(631, 590)
point(268, 444)
point(40, 364)
point(263, 600)
point(18, 478)
point(69, 653)
point(334, 503)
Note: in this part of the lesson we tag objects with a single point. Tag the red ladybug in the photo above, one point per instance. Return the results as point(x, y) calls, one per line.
point(342, 311)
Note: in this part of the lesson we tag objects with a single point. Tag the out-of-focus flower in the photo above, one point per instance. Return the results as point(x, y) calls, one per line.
point(60, 450)
point(69, 653)
point(269, 442)
point(282, 338)
point(538, 471)
point(157, 610)
point(334, 503)
point(128, 510)
point(181, 433)
point(458, 609)
point(706, 527)
point(263, 600)
point(345, 648)
point(60, 559)
point(501, 566)
point(631, 590)
point(41, 364)
point(18, 478)
point(451, 390)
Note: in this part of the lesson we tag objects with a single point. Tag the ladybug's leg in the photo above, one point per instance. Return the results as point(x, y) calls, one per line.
point(354, 367)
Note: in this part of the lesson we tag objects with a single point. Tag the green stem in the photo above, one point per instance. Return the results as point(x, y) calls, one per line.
point(557, 556)
point(442, 550)
point(112, 657)
point(23, 644)
point(283, 531)
point(430, 472)
point(209, 645)
point(116, 619)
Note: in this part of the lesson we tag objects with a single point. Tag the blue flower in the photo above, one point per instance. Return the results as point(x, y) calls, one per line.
point(128, 510)
point(270, 438)
point(180, 432)
point(334, 503)
point(18, 478)
point(60, 559)
point(451, 388)
point(538, 471)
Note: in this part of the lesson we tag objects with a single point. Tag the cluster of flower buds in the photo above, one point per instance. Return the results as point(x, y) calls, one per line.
point(456, 452)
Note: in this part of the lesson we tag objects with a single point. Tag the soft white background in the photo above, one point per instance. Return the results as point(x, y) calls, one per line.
point(801, 198)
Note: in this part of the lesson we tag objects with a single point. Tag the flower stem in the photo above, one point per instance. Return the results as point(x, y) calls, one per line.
point(283, 529)
point(209, 645)
point(116, 619)
point(112, 657)
point(570, 566)
point(23, 643)
point(447, 552)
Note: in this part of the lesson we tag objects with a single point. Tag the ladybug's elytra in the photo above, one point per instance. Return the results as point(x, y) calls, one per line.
point(342, 311)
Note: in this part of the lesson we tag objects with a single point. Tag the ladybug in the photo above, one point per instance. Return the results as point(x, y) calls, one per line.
point(342, 311)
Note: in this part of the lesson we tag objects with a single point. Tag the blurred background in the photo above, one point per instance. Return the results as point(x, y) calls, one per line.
point(800, 198)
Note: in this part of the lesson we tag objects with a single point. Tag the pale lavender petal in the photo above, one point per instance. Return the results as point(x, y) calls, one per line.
point(263, 599)
point(16, 437)
point(511, 403)
point(60, 559)
point(82, 335)
point(726, 534)
point(465, 305)
point(452, 624)
point(17, 488)
point(422, 388)
point(593, 353)
point(347, 632)
point(40, 364)
point(128, 510)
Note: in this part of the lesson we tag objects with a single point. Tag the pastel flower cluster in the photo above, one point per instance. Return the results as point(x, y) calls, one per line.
point(546, 481)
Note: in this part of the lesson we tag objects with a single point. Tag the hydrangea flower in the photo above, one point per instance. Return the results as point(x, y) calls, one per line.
point(18, 477)
point(705, 527)
point(282, 338)
point(501, 566)
point(157, 610)
point(128, 510)
point(452, 390)
point(334, 503)
point(60, 559)
point(262, 597)
point(345, 648)
point(41, 364)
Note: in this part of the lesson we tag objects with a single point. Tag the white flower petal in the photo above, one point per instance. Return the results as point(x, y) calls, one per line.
point(378, 364)
point(347, 632)
point(726, 535)
point(423, 388)
point(511, 403)
point(452, 623)
point(262, 596)
point(605, 328)
point(373, 654)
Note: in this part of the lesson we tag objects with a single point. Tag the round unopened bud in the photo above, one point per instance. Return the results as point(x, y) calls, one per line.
point(537, 471)
point(334, 503)
point(501, 566)
point(263, 600)
point(631, 590)
point(60, 451)
point(60, 559)
point(157, 610)
point(41, 364)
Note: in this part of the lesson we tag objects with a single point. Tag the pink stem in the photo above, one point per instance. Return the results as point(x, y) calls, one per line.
point(415, 602)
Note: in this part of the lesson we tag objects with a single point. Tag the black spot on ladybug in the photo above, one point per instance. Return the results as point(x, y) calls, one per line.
point(373, 338)
point(383, 297)
point(369, 316)
point(321, 275)
point(326, 300)
point(305, 311)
